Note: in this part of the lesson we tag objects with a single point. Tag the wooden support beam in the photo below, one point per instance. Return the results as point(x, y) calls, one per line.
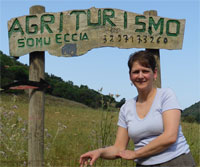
point(156, 53)
point(36, 105)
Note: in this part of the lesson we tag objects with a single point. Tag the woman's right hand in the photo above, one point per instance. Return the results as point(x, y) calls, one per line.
point(89, 157)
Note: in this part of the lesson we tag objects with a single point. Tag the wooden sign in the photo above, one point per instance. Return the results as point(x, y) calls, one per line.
point(75, 32)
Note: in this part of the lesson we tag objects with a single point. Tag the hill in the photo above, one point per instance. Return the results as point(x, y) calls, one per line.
point(12, 70)
point(71, 129)
point(192, 113)
point(49, 100)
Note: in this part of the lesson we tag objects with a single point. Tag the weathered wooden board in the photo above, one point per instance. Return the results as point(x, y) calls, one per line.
point(75, 32)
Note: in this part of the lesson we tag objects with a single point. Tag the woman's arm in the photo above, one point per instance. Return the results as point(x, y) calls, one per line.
point(111, 152)
point(171, 119)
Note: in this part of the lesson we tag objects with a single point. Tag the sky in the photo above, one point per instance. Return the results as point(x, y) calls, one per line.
point(107, 67)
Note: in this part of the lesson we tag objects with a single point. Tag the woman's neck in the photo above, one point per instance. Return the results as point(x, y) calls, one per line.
point(145, 95)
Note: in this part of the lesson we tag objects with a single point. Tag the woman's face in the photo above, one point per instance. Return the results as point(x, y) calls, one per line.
point(142, 77)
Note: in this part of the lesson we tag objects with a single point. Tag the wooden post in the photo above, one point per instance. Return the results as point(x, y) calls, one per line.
point(156, 53)
point(36, 106)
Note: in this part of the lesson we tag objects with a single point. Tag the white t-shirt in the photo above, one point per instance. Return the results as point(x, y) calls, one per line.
point(143, 131)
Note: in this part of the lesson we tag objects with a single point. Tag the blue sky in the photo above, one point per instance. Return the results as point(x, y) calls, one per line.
point(107, 67)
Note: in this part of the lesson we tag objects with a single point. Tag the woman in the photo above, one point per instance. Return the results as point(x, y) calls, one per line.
point(151, 120)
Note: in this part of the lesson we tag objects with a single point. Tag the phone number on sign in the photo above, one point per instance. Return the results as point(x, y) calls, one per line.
point(137, 39)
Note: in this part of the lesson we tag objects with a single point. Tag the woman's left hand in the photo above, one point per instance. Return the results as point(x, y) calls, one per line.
point(127, 154)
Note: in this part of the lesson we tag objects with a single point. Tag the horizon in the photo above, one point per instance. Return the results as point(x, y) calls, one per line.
point(107, 66)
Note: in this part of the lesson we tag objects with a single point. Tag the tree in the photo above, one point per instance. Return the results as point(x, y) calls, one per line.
point(119, 104)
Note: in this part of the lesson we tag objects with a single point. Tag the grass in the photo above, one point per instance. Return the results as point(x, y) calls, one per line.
point(70, 129)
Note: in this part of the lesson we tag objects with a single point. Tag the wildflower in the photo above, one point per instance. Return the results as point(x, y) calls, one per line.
point(64, 126)
point(11, 113)
point(15, 107)
point(23, 130)
point(13, 125)
point(12, 137)
point(2, 152)
point(20, 152)
point(48, 135)
point(19, 119)
point(47, 148)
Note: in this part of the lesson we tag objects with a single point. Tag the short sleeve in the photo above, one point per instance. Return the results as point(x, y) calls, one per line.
point(122, 118)
point(169, 101)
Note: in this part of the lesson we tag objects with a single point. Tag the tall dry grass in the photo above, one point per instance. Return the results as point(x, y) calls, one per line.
point(70, 130)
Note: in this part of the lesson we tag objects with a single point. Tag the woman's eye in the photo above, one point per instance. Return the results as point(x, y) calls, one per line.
point(145, 71)
point(135, 72)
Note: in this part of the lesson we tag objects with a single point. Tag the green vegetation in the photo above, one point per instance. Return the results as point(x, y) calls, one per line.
point(77, 120)
point(71, 129)
point(12, 70)
point(192, 113)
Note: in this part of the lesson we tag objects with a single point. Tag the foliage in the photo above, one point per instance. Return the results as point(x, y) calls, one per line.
point(81, 94)
point(12, 70)
point(122, 101)
point(192, 113)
